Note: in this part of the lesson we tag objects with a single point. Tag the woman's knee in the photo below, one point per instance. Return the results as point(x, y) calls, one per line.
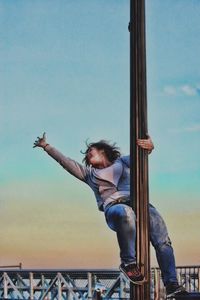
point(119, 215)
point(162, 244)
point(126, 213)
point(158, 230)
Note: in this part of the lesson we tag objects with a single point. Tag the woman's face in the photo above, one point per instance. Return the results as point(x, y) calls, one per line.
point(96, 157)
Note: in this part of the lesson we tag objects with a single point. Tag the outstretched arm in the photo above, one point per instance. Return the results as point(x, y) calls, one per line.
point(70, 165)
point(41, 141)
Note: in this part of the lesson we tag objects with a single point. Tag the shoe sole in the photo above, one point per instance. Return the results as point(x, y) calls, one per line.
point(141, 282)
point(176, 293)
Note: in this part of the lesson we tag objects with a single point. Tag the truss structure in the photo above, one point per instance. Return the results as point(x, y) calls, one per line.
point(62, 284)
point(84, 284)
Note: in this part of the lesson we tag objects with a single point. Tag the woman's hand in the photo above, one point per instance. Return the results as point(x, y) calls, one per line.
point(41, 141)
point(146, 144)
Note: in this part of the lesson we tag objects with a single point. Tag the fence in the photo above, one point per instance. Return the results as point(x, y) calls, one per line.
point(84, 284)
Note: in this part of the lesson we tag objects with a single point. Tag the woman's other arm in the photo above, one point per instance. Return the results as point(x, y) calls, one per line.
point(70, 165)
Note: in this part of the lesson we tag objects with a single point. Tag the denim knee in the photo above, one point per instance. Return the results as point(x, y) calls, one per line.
point(158, 229)
point(160, 245)
point(120, 214)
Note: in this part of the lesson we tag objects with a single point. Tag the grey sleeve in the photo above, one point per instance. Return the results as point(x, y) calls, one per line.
point(126, 160)
point(70, 165)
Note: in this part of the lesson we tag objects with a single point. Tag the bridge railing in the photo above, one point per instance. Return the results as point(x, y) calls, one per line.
point(84, 284)
point(188, 276)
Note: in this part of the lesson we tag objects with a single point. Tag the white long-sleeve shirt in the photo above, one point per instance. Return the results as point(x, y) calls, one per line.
point(108, 184)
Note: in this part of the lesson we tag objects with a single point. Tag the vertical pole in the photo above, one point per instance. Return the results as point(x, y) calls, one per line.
point(122, 293)
point(31, 286)
point(139, 157)
point(59, 289)
point(5, 286)
point(42, 285)
point(89, 275)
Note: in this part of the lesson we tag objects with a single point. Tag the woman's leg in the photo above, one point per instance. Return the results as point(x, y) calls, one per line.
point(121, 219)
point(162, 244)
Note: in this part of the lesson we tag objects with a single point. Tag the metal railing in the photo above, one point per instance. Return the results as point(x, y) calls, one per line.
point(188, 276)
point(84, 284)
point(19, 266)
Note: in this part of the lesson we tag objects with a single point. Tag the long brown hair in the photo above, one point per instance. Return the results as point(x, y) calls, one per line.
point(111, 150)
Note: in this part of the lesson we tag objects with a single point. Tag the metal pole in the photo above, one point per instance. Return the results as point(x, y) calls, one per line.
point(138, 129)
point(5, 286)
point(89, 276)
point(31, 286)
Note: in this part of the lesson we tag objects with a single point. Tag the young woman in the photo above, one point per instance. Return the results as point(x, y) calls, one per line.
point(108, 174)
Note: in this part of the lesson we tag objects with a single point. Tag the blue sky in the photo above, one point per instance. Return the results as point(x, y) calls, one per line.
point(173, 73)
point(65, 70)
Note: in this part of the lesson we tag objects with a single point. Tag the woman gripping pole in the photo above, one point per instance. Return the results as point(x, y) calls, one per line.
point(107, 173)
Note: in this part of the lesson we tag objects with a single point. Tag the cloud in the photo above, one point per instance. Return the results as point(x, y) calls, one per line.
point(186, 89)
point(189, 90)
point(192, 128)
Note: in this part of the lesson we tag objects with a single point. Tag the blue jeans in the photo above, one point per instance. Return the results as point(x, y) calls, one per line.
point(121, 219)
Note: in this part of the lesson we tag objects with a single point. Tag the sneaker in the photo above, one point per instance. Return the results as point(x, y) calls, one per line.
point(133, 273)
point(174, 289)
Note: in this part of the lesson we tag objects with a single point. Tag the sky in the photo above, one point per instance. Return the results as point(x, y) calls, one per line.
point(64, 69)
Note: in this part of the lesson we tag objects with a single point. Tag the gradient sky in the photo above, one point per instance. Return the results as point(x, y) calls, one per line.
point(64, 69)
